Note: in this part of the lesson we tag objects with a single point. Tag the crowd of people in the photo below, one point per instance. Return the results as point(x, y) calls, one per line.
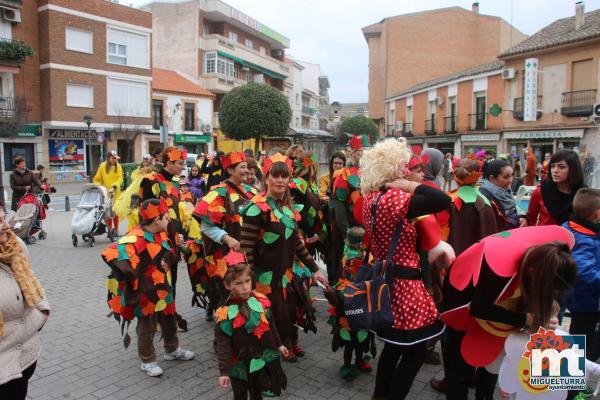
point(462, 265)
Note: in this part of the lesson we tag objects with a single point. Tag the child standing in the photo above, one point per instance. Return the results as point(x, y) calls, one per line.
point(248, 345)
point(583, 301)
point(358, 342)
point(140, 285)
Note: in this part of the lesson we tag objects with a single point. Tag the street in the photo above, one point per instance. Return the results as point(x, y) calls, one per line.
point(83, 355)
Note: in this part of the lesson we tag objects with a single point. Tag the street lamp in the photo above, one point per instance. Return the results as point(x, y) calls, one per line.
point(2, 199)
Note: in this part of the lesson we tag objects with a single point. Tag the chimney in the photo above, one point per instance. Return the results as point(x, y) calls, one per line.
point(579, 15)
point(475, 7)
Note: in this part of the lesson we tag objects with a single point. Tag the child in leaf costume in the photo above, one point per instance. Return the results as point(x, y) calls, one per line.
point(358, 342)
point(218, 212)
point(247, 342)
point(271, 241)
point(140, 285)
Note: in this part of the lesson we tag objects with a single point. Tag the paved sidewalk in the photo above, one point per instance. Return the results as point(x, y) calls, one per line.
point(83, 355)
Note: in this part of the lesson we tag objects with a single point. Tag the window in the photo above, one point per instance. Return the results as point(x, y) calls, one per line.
point(157, 114)
point(210, 63)
point(297, 99)
point(80, 96)
point(128, 48)
point(249, 77)
point(206, 29)
point(249, 43)
point(409, 115)
point(189, 116)
point(581, 75)
point(263, 51)
point(78, 40)
point(233, 37)
point(128, 97)
point(117, 53)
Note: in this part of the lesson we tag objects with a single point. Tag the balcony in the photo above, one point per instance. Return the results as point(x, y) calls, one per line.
point(430, 127)
point(244, 55)
point(519, 107)
point(390, 130)
point(10, 105)
point(308, 110)
point(13, 114)
point(578, 103)
point(407, 129)
point(13, 52)
point(450, 126)
point(221, 83)
point(215, 120)
point(478, 122)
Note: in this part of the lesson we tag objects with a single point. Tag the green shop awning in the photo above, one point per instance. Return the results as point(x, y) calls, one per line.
point(187, 138)
point(265, 71)
point(28, 131)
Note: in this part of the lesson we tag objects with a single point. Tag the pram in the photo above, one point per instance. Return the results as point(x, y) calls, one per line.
point(90, 216)
point(27, 221)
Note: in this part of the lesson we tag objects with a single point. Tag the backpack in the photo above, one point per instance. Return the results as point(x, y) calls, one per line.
point(367, 300)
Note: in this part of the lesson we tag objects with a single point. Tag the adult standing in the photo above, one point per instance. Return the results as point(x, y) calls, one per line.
point(254, 177)
point(213, 168)
point(447, 172)
point(23, 312)
point(110, 176)
point(530, 168)
point(496, 186)
point(22, 181)
point(337, 161)
point(551, 202)
point(271, 241)
point(196, 181)
point(218, 212)
point(161, 185)
point(384, 211)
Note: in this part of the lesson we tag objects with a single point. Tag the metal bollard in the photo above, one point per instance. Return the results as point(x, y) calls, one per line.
point(67, 205)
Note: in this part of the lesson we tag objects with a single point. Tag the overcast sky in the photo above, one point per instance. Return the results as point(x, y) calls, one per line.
point(328, 32)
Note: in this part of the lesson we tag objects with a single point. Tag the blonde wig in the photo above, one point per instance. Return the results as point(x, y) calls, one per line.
point(385, 162)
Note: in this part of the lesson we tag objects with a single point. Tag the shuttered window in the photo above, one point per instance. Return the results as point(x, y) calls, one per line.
point(581, 75)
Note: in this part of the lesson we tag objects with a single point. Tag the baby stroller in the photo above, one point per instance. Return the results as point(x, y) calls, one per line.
point(27, 221)
point(89, 219)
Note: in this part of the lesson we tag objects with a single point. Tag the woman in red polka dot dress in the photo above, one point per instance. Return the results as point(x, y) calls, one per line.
point(383, 169)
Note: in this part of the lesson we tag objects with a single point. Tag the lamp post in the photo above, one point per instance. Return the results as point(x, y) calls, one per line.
point(2, 199)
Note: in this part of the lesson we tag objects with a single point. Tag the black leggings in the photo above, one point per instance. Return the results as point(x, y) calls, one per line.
point(17, 388)
point(394, 378)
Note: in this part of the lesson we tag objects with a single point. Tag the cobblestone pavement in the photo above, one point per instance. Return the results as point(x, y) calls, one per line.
point(83, 355)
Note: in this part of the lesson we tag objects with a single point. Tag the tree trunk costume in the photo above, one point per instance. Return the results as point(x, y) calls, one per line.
point(482, 297)
point(221, 208)
point(140, 284)
point(530, 168)
point(271, 241)
point(247, 347)
point(160, 185)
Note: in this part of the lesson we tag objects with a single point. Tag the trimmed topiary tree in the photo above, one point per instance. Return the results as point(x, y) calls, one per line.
point(254, 111)
point(359, 125)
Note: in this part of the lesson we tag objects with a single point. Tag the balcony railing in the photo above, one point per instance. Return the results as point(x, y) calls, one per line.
point(430, 126)
point(407, 129)
point(450, 125)
point(578, 103)
point(308, 110)
point(519, 108)
point(8, 106)
point(478, 122)
point(14, 50)
point(390, 130)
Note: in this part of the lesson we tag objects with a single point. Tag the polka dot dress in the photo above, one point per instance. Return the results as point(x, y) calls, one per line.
point(412, 305)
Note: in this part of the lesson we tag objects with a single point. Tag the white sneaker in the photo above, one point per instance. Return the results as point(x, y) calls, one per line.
point(179, 354)
point(152, 369)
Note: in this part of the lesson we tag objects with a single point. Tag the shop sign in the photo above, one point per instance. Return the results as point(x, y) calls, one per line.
point(573, 133)
point(75, 134)
point(494, 137)
point(254, 24)
point(186, 138)
point(29, 131)
point(531, 89)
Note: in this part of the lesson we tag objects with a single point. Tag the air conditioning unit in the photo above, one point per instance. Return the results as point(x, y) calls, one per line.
point(207, 128)
point(440, 101)
point(246, 68)
point(596, 112)
point(399, 125)
point(508, 73)
point(9, 14)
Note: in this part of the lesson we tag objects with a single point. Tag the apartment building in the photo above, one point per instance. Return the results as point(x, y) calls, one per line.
point(184, 108)
point(95, 83)
point(411, 48)
point(456, 113)
point(567, 58)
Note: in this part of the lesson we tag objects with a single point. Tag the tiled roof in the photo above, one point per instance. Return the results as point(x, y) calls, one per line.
point(164, 80)
point(558, 33)
point(476, 70)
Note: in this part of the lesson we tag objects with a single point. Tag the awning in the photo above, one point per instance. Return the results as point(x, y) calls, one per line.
point(316, 133)
point(263, 70)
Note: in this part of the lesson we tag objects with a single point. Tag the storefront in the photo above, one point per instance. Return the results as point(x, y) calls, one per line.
point(26, 141)
point(488, 142)
point(194, 143)
point(445, 144)
point(74, 154)
point(543, 141)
